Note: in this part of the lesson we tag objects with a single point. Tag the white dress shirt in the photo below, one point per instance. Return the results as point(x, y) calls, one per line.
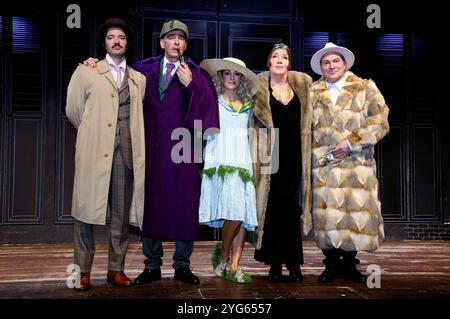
point(335, 88)
point(115, 68)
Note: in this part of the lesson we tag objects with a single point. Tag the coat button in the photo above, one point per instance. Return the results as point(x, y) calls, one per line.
point(109, 124)
point(112, 94)
point(106, 155)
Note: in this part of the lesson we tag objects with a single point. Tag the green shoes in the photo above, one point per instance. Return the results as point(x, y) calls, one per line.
point(216, 257)
point(221, 268)
point(239, 276)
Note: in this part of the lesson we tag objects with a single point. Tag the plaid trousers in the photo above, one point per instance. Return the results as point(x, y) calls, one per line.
point(120, 195)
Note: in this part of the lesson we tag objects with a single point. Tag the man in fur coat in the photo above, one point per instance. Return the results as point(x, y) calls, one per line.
point(349, 117)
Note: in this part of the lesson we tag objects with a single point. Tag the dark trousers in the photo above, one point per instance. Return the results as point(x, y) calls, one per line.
point(153, 250)
point(335, 257)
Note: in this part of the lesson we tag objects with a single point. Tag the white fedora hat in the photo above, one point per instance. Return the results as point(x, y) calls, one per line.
point(212, 66)
point(348, 55)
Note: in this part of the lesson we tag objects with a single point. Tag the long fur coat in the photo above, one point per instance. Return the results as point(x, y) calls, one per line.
point(263, 124)
point(346, 209)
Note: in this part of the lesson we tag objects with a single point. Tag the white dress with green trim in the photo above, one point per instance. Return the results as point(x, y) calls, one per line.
point(228, 185)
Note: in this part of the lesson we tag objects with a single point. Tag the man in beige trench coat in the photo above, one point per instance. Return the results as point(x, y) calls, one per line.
point(105, 106)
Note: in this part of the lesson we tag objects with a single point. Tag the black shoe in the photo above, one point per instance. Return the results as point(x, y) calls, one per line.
point(148, 275)
point(295, 274)
point(275, 273)
point(185, 275)
point(328, 275)
point(354, 275)
point(349, 270)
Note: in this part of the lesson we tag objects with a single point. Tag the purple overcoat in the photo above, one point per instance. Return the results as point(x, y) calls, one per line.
point(172, 190)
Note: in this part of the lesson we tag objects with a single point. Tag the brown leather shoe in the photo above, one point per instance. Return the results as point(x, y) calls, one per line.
point(118, 278)
point(85, 282)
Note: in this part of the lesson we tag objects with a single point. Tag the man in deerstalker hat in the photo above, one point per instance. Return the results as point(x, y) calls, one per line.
point(179, 93)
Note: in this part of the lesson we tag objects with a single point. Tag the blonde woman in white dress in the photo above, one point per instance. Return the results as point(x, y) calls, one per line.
point(228, 199)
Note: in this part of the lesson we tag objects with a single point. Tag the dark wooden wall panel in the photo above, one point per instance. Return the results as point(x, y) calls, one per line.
point(25, 196)
point(74, 45)
point(392, 187)
point(66, 160)
point(445, 173)
point(251, 42)
point(424, 186)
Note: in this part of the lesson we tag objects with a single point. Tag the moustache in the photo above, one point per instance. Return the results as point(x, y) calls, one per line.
point(117, 46)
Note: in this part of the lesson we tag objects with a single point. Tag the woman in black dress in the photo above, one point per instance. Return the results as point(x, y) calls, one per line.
point(283, 194)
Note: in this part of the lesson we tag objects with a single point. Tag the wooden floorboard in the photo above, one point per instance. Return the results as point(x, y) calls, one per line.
point(409, 270)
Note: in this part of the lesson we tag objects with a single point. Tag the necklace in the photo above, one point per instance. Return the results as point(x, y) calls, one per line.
point(282, 92)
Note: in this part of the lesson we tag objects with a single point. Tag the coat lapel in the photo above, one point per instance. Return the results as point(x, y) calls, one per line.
point(153, 81)
point(103, 69)
point(346, 95)
point(262, 109)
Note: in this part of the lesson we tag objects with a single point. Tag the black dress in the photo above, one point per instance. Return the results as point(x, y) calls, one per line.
point(282, 241)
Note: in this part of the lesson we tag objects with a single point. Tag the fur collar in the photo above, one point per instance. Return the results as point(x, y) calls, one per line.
point(352, 85)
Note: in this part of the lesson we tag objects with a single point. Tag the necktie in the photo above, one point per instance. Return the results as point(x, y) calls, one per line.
point(169, 69)
point(118, 78)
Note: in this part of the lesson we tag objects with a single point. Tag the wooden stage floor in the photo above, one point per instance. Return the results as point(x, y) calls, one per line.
point(409, 270)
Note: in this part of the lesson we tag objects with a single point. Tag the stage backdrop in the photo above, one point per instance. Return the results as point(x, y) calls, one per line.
point(39, 52)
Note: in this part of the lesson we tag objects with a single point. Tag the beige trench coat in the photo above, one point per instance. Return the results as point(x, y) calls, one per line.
point(92, 107)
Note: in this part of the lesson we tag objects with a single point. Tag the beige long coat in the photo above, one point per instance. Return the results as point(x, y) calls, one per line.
point(346, 209)
point(262, 119)
point(92, 107)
